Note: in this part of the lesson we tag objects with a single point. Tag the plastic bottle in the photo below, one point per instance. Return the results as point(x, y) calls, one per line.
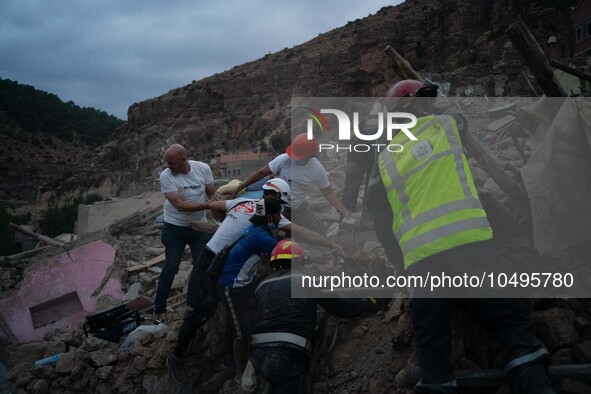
point(51, 360)
point(158, 330)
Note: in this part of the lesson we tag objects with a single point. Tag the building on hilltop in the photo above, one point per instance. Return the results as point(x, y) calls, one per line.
point(239, 165)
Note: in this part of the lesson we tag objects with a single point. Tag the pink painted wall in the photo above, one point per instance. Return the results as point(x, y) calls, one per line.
point(81, 270)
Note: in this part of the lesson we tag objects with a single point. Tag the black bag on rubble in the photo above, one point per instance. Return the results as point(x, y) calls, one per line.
point(111, 324)
point(219, 261)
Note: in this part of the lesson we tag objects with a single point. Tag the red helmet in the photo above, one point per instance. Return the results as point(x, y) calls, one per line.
point(302, 147)
point(405, 88)
point(284, 252)
point(409, 88)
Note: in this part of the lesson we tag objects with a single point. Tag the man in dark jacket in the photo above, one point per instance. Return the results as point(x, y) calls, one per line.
point(284, 333)
point(233, 287)
point(429, 216)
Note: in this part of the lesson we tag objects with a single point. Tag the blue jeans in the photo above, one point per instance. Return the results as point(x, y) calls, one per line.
point(286, 370)
point(175, 238)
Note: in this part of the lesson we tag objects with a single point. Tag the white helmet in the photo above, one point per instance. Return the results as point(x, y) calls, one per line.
point(279, 186)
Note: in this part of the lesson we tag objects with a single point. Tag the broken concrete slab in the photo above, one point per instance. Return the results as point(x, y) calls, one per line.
point(98, 216)
point(58, 293)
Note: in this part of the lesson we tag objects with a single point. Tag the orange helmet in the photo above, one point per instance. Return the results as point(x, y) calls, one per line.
point(302, 147)
point(284, 252)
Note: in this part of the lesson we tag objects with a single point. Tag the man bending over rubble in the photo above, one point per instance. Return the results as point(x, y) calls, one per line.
point(202, 298)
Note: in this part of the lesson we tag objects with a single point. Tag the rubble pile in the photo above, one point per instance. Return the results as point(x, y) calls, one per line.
point(360, 355)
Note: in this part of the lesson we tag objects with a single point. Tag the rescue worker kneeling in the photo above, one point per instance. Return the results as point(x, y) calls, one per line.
point(282, 341)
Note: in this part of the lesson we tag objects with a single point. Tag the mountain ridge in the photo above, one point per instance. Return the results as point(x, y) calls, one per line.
point(240, 109)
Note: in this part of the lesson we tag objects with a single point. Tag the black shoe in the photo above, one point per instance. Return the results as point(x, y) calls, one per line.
point(177, 370)
point(533, 379)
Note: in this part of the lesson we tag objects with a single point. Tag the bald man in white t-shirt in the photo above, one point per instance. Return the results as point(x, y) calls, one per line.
point(187, 186)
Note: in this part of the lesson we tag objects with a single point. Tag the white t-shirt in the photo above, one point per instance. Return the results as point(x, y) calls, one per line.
point(239, 211)
point(300, 178)
point(192, 188)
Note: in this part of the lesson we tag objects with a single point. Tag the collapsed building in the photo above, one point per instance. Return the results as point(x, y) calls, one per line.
point(44, 313)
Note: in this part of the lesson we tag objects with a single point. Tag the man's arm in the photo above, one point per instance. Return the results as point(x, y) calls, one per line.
point(217, 206)
point(184, 206)
point(334, 200)
point(255, 176)
point(313, 237)
point(210, 191)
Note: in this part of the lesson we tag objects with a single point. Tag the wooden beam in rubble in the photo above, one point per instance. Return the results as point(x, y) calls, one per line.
point(536, 60)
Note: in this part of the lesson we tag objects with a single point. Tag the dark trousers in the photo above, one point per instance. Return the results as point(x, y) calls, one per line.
point(508, 318)
point(286, 370)
point(198, 312)
point(199, 277)
point(354, 174)
point(236, 300)
point(175, 239)
point(202, 304)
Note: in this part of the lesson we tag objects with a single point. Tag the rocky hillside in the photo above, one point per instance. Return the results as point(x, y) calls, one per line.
point(43, 140)
point(459, 42)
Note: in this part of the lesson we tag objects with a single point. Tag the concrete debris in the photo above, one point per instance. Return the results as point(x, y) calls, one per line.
point(350, 355)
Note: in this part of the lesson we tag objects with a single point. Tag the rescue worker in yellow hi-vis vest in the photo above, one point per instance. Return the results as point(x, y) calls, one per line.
point(428, 214)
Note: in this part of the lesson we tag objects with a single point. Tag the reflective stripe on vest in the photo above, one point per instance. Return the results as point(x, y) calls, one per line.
point(435, 224)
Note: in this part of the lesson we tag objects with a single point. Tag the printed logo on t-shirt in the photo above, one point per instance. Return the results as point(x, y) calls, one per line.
point(247, 207)
point(181, 189)
point(300, 184)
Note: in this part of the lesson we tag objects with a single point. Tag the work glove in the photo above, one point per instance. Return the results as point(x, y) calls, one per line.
point(339, 251)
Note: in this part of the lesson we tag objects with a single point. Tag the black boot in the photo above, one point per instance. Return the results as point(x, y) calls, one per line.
point(533, 380)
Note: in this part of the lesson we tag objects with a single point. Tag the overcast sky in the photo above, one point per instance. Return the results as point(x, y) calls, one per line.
point(109, 54)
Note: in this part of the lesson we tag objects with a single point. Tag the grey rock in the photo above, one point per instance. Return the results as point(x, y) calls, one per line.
point(582, 352)
point(139, 363)
point(66, 363)
point(70, 360)
point(556, 328)
point(103, 372)
point(24, 379)
point(154, 251)
point(41, 387)
point(103, 357)
point(19, 369)
point(92, 343)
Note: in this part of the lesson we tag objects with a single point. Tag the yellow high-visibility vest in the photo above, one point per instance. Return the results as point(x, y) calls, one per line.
point(431, 191)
